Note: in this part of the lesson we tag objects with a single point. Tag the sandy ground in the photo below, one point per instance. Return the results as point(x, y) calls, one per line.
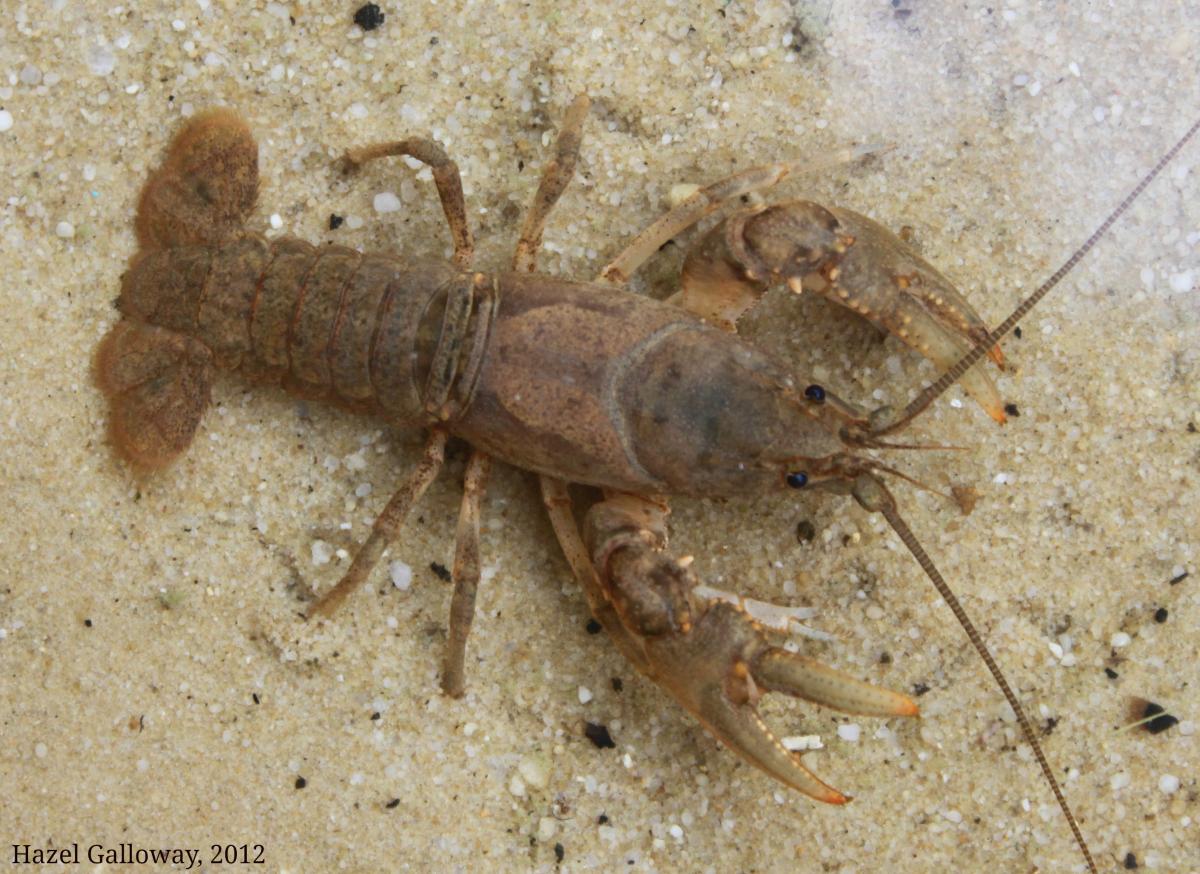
point(159, 688)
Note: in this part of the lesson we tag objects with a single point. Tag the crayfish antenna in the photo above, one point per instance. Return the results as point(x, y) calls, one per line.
point(987, 343)
point(874, 497)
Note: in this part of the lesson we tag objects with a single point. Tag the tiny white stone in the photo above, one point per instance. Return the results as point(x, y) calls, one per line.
point(6, 120)
point(356, 779)
point(952, 815)
point(387, 201)
point(849, 732)
point(585, 694)
point(1119, 781)
point(39, 750)
point(1181, 282)
point(534, 772)
point(1187, 728)
point(276, 220)
point(1121, 639)
point(89, 172)
point(401, 575)
point(516, 786)
point(66, 230)
point(802, 742)
point(357, 110)
point(547, 828)
point(354, 222)
point(1168, 783)
point(1056, 649)
point(178, 24)
point(322, 552)
point(100, 60)
point(676, 832)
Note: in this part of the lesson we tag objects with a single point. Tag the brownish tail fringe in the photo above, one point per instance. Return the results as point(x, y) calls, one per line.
point(205, 188)
point(157, 384)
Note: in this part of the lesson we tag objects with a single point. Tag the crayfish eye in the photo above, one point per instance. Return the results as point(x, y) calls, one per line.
point(797, 480)
point(815, 393)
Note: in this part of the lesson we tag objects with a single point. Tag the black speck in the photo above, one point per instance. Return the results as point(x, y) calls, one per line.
point(1160, 615)
point(1191, 428)
point(440, 571)
point(254, 697)
point(1161, 721)
point(805, 531)
point(335, 221)
point(376, 715)
point(1176, 580)
point(433, 40)
point(87, 623)
point(593, 627)
point(1130, 862)
point(520, 164)
point(559, 852)
point(920, 689)
point(301, 782)
point(618, 684)
point(369, 16)
point(602, 819)
point(1017, 333)
point(393, 804)
point(1011, 409)
point(598, 734)
point(1110, 673)
point(885, 658)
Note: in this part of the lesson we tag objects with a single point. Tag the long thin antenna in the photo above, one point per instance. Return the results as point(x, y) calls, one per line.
point(901, 528)
point(951, 376)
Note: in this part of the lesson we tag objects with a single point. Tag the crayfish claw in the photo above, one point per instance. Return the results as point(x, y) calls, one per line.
point(778, 670)
point(850, 260)
point(739, 727)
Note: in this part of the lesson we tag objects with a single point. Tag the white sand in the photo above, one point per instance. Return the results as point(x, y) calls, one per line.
point(186, 725)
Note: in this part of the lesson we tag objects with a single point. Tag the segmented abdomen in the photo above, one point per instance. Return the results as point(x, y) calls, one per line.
point(326, 322)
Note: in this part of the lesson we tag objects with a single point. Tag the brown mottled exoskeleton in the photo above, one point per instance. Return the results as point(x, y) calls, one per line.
point(576, 381)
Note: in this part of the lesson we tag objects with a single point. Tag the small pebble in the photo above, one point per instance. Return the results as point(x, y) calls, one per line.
point(1119, 781)
point(322, 552)
point(66, 230)
point(1181, 282)
point(6, 120)
point(849, 732)
point(1121, 639)
point(534, 771)
point(369, 16)
point(387, 201)
point(598, 734)
point(795, 743)
point(401, 575)
point(276, 220)
point(585, 695)
point(40, 751)
point(1168, 784)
